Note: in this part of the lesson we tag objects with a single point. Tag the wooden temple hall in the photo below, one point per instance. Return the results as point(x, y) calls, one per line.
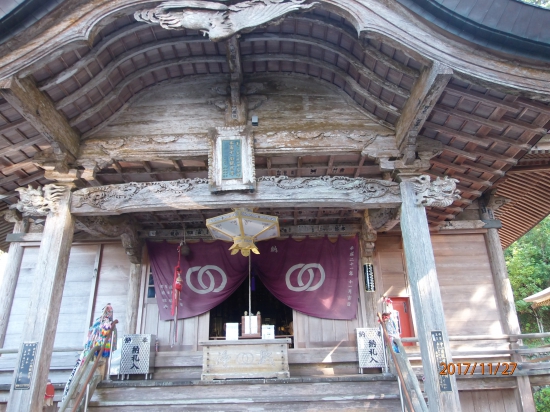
point(357, 156)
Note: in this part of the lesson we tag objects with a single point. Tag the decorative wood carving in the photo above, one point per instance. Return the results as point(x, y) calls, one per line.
point(231, 159)
point(369, 188)
point(374, 142)
point(271, 191)
point(114, 226)
point(217, 20)
point(12, 215)
point(384, 219)
point(40, 201)
point(439, 193)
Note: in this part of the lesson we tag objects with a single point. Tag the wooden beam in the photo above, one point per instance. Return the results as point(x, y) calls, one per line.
point(485, 98)
point(21, 145)
point(8, 127)
point(194, 194)
point(40, 112)
point(496, 125)
point(424, 95)
point(484, 141)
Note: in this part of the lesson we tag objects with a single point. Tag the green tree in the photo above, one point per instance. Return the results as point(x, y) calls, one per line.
point(528, 262)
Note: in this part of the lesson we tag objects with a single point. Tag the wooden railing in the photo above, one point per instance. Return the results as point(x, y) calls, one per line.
point(92, 379)
point(413, 394)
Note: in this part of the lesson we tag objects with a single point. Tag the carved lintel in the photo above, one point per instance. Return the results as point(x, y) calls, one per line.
point(439, 193)
point(219, 21)
point(323, 191)
point(40, 201)
point(489, 204)
point(114, 226)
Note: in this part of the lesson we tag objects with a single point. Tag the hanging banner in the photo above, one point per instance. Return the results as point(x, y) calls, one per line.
point(314, 276)
point(210, 275)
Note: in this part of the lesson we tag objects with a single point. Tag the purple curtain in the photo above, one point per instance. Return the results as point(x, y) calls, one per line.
point(314, 276)
point(210, 275)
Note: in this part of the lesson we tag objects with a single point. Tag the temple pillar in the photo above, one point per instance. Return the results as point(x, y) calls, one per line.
point(132, 305)
point(47, 290)
point(11, 271)
point(417, 192)
point(504, 296)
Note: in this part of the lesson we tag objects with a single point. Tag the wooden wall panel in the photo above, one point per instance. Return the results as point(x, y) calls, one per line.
point(72, 326)
point(389, 259)
point(466, 284)
point(112, 285)
point(488, 401)
point(190, 331)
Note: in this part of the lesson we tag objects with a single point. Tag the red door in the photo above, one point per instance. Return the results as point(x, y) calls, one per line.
point(403, 315)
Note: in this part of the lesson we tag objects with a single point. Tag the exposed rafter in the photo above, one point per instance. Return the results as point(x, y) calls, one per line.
point(424, 96)
point(39, 111)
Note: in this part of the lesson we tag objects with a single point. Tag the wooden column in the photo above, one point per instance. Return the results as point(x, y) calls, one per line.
point(371, 300)
point(428, 307)
point(11, 272)
point(506, 306)
point(49, 279)
point(132, 305)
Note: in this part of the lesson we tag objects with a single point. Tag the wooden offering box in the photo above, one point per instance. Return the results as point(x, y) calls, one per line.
point(251, 358)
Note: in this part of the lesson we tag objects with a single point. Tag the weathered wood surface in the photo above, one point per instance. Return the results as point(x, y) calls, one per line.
point(112, 284)
point(39, 110)
point(469, 305)
point(506, 306)
point(133, 303)
point(291, 113)
point(271, 192)
point(10, 278)
point(47, 291)
point(428, 306)
point(251, 358)
point(312, 332)
point(388, 22)
point(488, 401)
point(424, 95)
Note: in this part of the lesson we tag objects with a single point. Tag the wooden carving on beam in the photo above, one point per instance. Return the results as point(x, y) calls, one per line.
point(370, 188)
point(114, 226)
point(219, 21)
point(40, 201)
point(271, 191)
point(439, 193)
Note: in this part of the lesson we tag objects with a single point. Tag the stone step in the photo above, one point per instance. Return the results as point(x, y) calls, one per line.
point(375, 392)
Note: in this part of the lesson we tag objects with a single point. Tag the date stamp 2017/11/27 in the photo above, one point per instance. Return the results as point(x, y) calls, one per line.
point(504, 368)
